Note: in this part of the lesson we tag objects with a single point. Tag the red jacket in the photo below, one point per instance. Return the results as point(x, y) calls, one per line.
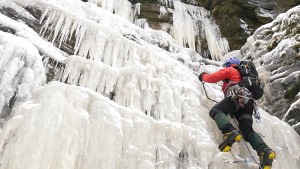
point(230, 73)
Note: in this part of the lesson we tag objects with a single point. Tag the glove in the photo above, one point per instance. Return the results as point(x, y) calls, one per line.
point(200, 76)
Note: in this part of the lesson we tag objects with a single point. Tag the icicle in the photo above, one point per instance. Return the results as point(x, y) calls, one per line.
point(48, 21)
point(44, 15)
point(80, 33)
point(115, 52)
point(107, 53)
point(58, 27)
point(119, 7)
point(45, 61)
point(162, 11)
point(184, 30)
point(73, 70)
point(87, 42)
point(168, 3)
point(121, 58)
point(142, 23)
point(137, 9)
point(65, 31)
point(91, 74)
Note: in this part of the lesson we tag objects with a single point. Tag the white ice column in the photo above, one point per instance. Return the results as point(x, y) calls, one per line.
point(119, 7)
point(184, 27)
point(91, 74)
point(21, 69)
point(190, 21)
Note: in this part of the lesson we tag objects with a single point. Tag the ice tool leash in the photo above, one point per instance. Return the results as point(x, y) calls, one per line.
point(197, 74)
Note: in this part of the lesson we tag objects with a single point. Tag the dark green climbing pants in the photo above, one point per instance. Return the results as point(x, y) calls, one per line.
point(244, 117)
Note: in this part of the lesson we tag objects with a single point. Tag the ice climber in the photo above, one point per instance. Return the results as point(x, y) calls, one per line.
point(241, 108)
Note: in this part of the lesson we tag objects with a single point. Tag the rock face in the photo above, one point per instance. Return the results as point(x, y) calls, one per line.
point(150, 10)
point(275, 49)
point(239, 18)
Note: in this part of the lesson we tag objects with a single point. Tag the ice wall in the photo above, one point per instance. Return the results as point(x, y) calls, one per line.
point(64, 126)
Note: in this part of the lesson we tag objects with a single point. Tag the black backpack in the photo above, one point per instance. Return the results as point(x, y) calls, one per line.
point(250, 78)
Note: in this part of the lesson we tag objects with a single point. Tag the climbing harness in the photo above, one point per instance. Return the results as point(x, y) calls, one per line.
point(241, 93)
point(243, 96)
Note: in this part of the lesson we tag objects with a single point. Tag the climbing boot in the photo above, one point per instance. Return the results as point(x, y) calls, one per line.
point(266, 157)
point(229, 139)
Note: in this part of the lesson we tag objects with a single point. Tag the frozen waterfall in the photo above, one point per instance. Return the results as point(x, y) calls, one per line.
point(119, 100)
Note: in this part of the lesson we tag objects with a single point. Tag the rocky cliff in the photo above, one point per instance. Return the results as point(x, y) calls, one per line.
point(275, 47)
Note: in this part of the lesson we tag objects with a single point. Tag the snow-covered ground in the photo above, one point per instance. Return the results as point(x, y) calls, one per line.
point(117, 102)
